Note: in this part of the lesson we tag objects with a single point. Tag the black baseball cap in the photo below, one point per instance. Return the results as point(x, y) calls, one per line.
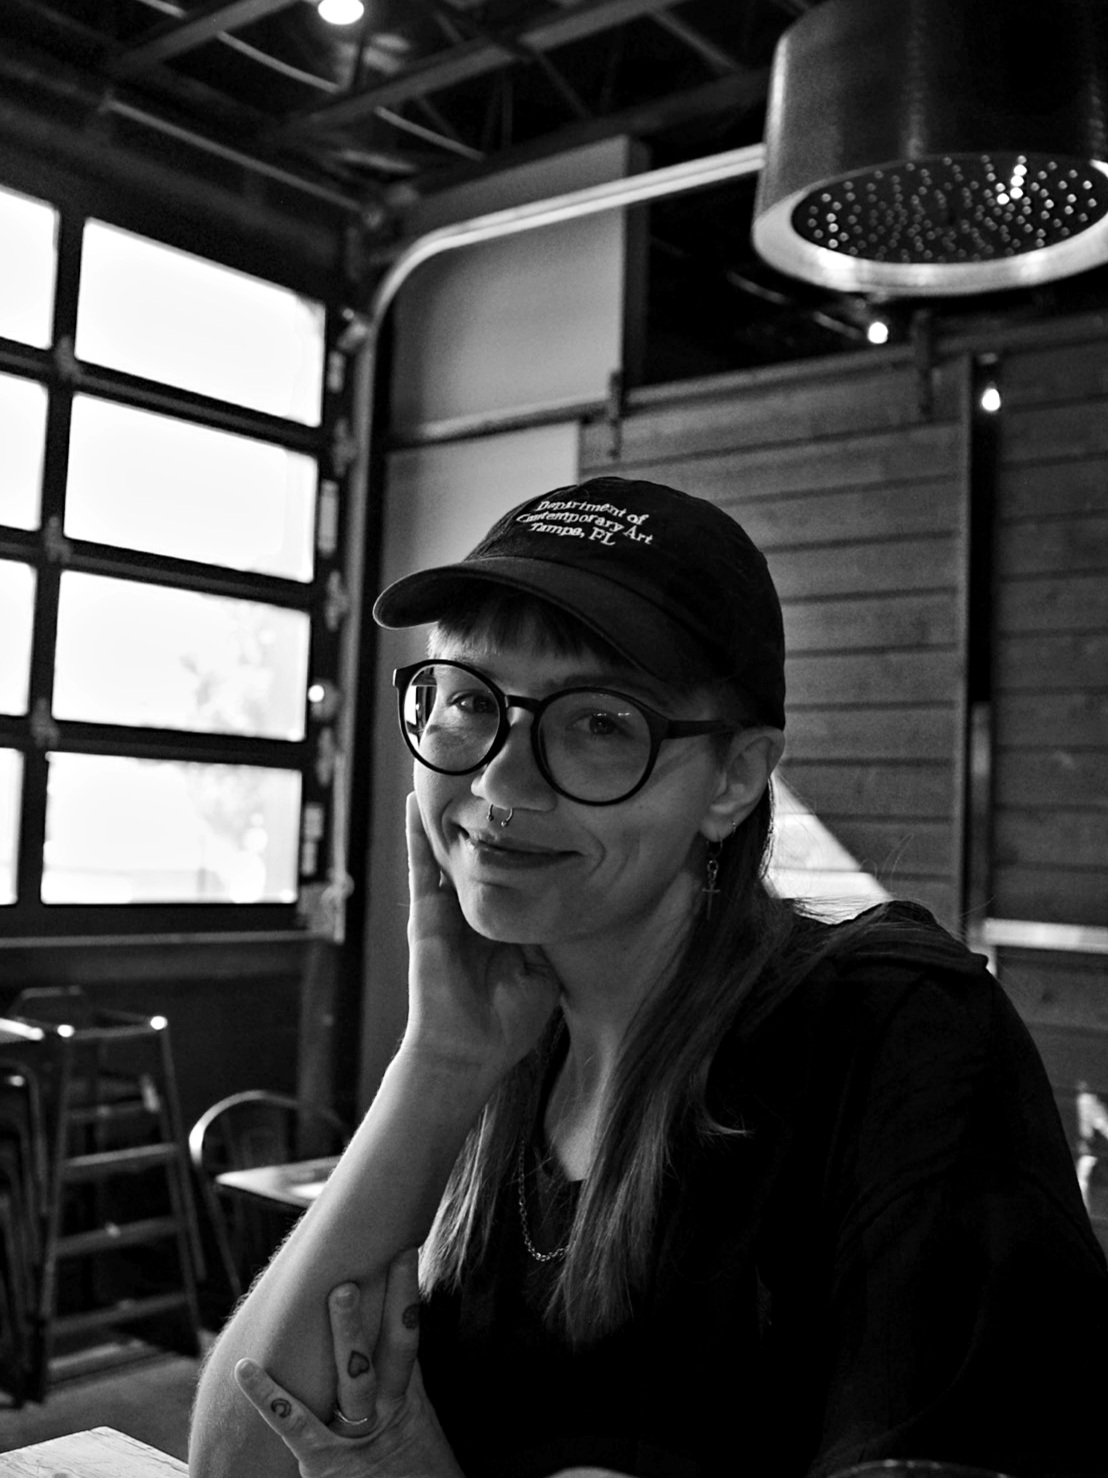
point(672, 582)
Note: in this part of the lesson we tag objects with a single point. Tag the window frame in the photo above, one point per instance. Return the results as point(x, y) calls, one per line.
point(50, 553)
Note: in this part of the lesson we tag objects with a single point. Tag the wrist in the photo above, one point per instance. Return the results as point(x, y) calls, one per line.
point(439, 1071)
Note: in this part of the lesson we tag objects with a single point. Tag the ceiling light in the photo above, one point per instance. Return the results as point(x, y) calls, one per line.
point(341, 12)
point(936, 147)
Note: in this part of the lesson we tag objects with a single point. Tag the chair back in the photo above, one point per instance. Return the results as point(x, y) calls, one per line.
point(241, 1132)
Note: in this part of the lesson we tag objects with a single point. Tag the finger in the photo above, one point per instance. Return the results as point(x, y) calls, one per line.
point(300, 1430)
point(355, 1377)
point(423, 868)
point(398, 1342)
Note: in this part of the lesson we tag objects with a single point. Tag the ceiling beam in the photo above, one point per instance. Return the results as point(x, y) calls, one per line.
point(202, 24)
point(733, 96)
point(477, 59)
point(712, 55)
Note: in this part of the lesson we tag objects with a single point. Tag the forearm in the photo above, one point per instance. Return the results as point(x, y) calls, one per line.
point(380, 1199)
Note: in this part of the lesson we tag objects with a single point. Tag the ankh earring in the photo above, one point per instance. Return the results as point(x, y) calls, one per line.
point(711, 886)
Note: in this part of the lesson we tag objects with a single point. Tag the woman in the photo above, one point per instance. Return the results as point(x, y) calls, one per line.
point(701, 1185)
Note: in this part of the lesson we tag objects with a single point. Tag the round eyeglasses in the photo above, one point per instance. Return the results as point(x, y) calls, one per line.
point(590, 744)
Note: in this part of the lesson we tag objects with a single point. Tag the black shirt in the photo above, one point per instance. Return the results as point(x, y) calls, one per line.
point(893, 1261)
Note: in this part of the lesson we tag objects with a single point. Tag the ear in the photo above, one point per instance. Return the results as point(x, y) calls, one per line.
point(751, 760)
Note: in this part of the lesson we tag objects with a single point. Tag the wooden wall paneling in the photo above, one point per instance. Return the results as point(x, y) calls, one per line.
point(1052, 895)
point(1051, 433)
point(894, 678)
point(1068, 666)
point(1076, 488)
point(1036, 719)
point(793, 403)
point(1072, 542)
point(1041, 782)
point(872, 622)
point(859, 504)
point(909, 732)
point(1051, 819)
point(888, 459)
point(1064, 599)
point(1052, 989)
point(1038, 375)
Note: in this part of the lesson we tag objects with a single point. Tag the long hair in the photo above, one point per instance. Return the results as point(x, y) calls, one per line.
point(736, 960)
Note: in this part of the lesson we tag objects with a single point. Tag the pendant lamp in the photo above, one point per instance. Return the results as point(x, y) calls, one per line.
point(934, 147)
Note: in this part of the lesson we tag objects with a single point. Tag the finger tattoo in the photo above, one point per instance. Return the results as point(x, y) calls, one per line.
point(357, 1365)
point(410, 1317)
point(280, 1407)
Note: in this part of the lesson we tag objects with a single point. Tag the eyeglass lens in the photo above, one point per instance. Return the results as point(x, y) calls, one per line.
point(596, 746)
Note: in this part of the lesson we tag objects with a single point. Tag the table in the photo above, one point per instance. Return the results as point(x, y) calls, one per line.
point(296, 1183)
point(100, 1453)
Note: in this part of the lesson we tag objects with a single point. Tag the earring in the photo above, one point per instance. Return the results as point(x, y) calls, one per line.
point(711, 886)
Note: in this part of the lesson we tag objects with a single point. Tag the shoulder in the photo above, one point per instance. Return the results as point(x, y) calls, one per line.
point(890, 997)
point(893, 959)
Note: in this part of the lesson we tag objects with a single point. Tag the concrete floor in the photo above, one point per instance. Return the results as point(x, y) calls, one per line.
point(148, 1398)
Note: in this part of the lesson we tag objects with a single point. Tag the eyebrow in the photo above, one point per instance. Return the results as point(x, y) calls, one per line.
point(617, 679)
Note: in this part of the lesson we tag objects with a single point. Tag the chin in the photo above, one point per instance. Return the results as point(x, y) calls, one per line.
point(503, 921)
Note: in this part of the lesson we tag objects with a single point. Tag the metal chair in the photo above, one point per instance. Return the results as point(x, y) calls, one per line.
point(242, 1132)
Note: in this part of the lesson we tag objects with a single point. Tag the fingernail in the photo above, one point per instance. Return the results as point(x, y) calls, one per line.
point(345, 1296)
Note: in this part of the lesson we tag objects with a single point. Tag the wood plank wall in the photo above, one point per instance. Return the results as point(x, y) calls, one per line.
point(1051, 641)
point(860, 500)
point(1050, 711)
point(856, 494)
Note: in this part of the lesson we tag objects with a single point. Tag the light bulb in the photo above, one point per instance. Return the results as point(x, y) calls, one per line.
point(341, 12)
point(877, 331)
point(990, 399)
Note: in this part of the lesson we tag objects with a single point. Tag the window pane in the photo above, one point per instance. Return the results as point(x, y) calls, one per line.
point(17, 598)
point(150, 310)
point(11, 773)
point(27, 254)
point(22, 440)
point(143, 654)
point(218, 498)
point(123, 830)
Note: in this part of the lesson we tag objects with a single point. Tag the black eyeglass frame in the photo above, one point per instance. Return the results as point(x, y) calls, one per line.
point(659, 726)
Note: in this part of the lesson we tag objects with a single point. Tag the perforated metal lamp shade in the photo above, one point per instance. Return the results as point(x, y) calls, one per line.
point(933, 147)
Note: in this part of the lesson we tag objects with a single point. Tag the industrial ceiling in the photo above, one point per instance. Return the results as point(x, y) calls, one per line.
point(356, 122)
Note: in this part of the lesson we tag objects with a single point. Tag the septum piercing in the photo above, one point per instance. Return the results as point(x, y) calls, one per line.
point(502, 824)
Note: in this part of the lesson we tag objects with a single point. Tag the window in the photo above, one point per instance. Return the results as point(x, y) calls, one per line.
point(173, 317)
point(166, 432)
point(221, 498)
point(27, 234)
point(23, 438)
point(17, 586)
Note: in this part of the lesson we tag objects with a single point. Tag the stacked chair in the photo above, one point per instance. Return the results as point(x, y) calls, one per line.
point(98, 1231)
point(22, 1198)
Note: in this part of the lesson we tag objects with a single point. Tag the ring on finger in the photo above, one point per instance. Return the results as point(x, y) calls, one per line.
point(352, 1421)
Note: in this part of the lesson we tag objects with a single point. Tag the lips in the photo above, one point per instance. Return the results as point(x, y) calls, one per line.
point(501, 843)
point(500, 851)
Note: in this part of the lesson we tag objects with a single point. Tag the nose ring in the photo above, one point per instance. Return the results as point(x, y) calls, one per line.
point(502, 824)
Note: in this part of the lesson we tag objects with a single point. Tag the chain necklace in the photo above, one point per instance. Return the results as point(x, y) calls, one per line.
point(559, 1252)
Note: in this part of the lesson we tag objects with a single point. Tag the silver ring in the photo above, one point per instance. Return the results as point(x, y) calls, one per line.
point(362, 1421)
point(502, 824)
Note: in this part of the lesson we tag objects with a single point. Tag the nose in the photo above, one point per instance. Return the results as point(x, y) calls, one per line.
point(512, 778)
